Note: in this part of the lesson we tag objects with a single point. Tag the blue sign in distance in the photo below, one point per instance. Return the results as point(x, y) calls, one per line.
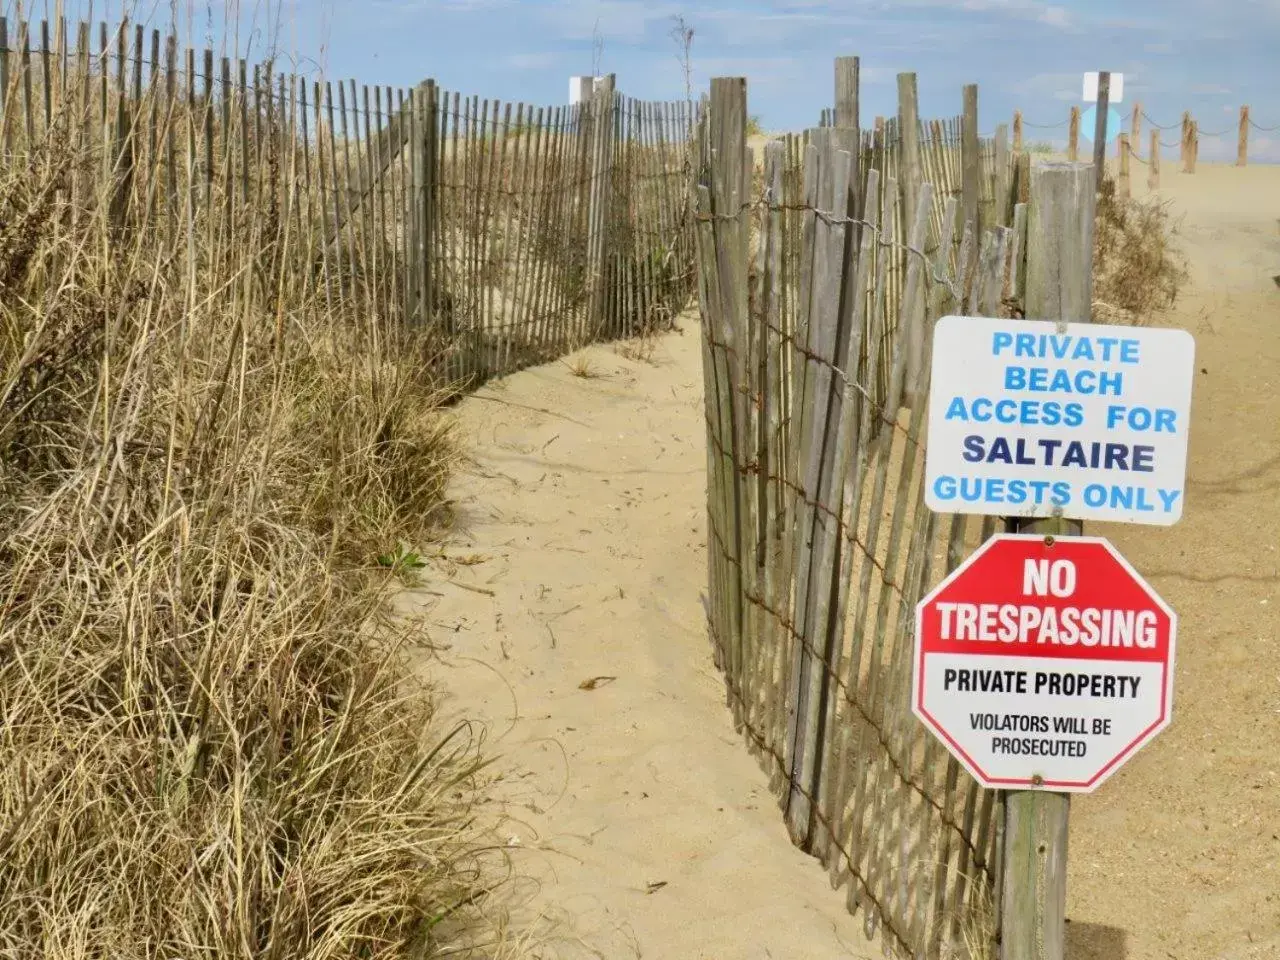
point(1089, 123)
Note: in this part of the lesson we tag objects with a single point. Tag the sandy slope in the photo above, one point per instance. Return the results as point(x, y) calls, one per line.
point(584, 530)
point(589, 525)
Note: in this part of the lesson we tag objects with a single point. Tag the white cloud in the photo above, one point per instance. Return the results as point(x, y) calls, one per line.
point(532, 61)
point(625, 21)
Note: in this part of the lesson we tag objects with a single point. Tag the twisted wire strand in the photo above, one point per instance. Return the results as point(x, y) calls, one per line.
point(766, 202)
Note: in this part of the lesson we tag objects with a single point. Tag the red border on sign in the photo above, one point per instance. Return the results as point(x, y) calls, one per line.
point(1166, 652)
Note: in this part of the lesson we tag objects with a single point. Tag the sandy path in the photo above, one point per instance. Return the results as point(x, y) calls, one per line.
point(589, 528)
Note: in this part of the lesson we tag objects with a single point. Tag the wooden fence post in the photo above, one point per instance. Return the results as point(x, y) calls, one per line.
point(845, 117)
point(1101, 108)
point(1059, 289)
point(1122, 179)
point(1073, 135)
point(1184, 157)
point(723, 227)
point(909, 131)
point(909, 183)
point(422, 210)
point(1193, 145)
point(1242, 142)
point(847, 134)
point(598, 220)
point(417, 207)
point(846, 79)
point(971, 159)
point(430, 188)
point(1003, 177)
point(1017, 131)
point(1153, 165)
point(1135, 130)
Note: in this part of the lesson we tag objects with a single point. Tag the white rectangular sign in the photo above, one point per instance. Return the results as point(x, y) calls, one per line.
point(1090, 423)
point(1115, 92)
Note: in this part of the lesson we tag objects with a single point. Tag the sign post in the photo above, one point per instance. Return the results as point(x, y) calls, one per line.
point(1060, 227)
point(1097, 87)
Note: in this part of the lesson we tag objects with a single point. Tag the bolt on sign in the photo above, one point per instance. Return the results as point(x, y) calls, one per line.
point(1043, 663)
point(1031, 419)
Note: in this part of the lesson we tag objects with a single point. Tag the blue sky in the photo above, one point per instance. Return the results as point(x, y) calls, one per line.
point(1208, 56)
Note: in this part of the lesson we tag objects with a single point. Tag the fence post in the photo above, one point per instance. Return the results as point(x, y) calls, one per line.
point(417, 207)
point(427, 202)
point(1242, 142)
point(1101, 108)
point(970, 159)
point(1059, 289)
point(1153, 165)
point(1073, 135)
point(1017, 131)
point(1003, 176)
point(1193, 145)
point(845, 117)
point(909, 131)
point(598, 222)
point(909, 184)
point(723, 227)
point(422, 201)
point(1135, 130)
point(1185, 156)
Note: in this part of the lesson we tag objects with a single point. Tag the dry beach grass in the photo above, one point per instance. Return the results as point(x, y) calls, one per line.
point(209, 743)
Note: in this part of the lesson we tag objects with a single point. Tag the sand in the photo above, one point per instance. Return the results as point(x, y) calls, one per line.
point(579, 556)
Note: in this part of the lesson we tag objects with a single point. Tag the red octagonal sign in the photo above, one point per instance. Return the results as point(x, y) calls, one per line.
point(1044, 663)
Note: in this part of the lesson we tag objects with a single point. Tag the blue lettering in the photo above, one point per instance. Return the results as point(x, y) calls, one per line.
point(1168, 498)
point(973, 449)
point(1057, 380)
point(955, 409)
point(1000, 341)
point(1110, 383)
point(1015, 378)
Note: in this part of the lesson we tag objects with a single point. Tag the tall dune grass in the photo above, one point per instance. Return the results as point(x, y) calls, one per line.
point(210, 743)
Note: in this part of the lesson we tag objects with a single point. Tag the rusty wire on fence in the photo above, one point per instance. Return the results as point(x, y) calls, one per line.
point(819, 540)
